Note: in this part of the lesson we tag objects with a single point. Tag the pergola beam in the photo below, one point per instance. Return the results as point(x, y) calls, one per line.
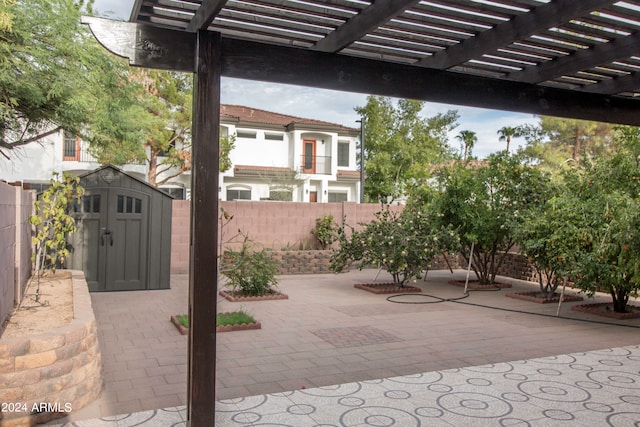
point(205, 14)
point(366, 21)
point(627, 83)
point(601, 53)
point(269, 63)
point(160, 48)
point(539, 19)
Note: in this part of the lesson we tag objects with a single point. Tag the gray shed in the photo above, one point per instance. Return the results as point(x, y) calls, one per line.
point(123, 241)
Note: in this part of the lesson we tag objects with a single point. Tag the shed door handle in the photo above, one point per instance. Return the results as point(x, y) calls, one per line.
point(109, 233)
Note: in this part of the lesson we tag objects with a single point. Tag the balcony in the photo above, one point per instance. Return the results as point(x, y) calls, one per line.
point(320, 165)
point(76, 150)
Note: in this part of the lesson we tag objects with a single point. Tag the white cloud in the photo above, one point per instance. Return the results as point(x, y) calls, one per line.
point(338, 107)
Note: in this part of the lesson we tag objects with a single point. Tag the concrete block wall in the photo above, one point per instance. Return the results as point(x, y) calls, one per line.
point(7, 250)
point(16, 205)
point(61, 368)
point(288, 225)
point(271, 225)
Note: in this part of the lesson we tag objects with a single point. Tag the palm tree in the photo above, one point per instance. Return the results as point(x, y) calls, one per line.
point(468, 138)
point(508, 132)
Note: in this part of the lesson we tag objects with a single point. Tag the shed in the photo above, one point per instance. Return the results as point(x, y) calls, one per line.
point(123, 241)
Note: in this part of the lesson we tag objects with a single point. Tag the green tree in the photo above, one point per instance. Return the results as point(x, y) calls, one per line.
point(167, 125)
point(400, 145)
point(467, 139)
point(505, 133)
point(53, 75)
point(547, 236)
point(165, 102)
point(603, 213)
point(6, 16)
point(556, 142)
point(578, 138)
point(403, 244)
point(484, 203)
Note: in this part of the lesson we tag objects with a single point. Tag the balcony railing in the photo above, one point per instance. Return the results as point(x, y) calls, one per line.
point(75, 150)
point(316, 165)
point(78, 151)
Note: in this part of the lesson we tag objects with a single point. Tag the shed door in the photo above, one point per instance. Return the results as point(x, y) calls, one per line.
point(113, 239)
point(87, 253)
point(126, 240)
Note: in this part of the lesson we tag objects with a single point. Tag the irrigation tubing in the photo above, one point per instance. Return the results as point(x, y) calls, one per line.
point(458, 300)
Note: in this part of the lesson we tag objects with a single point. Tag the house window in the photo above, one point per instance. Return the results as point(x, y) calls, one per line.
point(251, 134)
point(335, 197)
point(274, 136)
point(238, 194)
point(343, 154)
point(176, 193)
point(70, 150)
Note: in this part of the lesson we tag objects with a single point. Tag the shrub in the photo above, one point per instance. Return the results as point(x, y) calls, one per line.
point(250, 272)
point(325, 231)
point(53, 223)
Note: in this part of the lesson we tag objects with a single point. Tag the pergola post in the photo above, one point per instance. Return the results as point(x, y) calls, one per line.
point(204, 232)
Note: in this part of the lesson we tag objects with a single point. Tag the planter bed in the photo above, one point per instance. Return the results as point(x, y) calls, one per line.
point(236, 297)
point(534, 296)
point(60, 368)
point(226, 328)
point(386, 288)
point(606, 309)
point(476, 286)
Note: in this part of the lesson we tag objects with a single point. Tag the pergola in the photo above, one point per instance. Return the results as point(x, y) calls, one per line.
point(567, 58)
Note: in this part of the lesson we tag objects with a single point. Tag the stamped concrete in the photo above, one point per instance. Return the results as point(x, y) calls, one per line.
point(595, 388)
point(145, 356)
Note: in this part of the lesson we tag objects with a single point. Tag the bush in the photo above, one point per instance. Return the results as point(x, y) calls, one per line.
point(53, 223)
point(250, 273)
point(402, 244)
point(325, 231)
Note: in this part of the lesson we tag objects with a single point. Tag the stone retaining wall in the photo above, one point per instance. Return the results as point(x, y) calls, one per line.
point(301, 262)
point(311, 262)
point(514, 265)
point(54, 372)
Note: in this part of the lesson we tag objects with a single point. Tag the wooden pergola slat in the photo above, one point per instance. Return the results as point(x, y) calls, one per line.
point(539, 19)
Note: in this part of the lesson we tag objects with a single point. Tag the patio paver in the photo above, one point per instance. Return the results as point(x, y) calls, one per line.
point(145, 357)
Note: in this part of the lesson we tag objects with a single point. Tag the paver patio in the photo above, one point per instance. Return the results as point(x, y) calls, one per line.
point(303, 342)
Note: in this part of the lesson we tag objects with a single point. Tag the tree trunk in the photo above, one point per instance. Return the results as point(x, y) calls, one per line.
point(153, 168)
point(577, 149)
point(620, 299)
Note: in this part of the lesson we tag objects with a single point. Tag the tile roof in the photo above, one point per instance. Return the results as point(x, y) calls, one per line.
point(256, 115)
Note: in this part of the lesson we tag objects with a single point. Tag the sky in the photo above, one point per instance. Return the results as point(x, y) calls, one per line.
point(338, 107)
